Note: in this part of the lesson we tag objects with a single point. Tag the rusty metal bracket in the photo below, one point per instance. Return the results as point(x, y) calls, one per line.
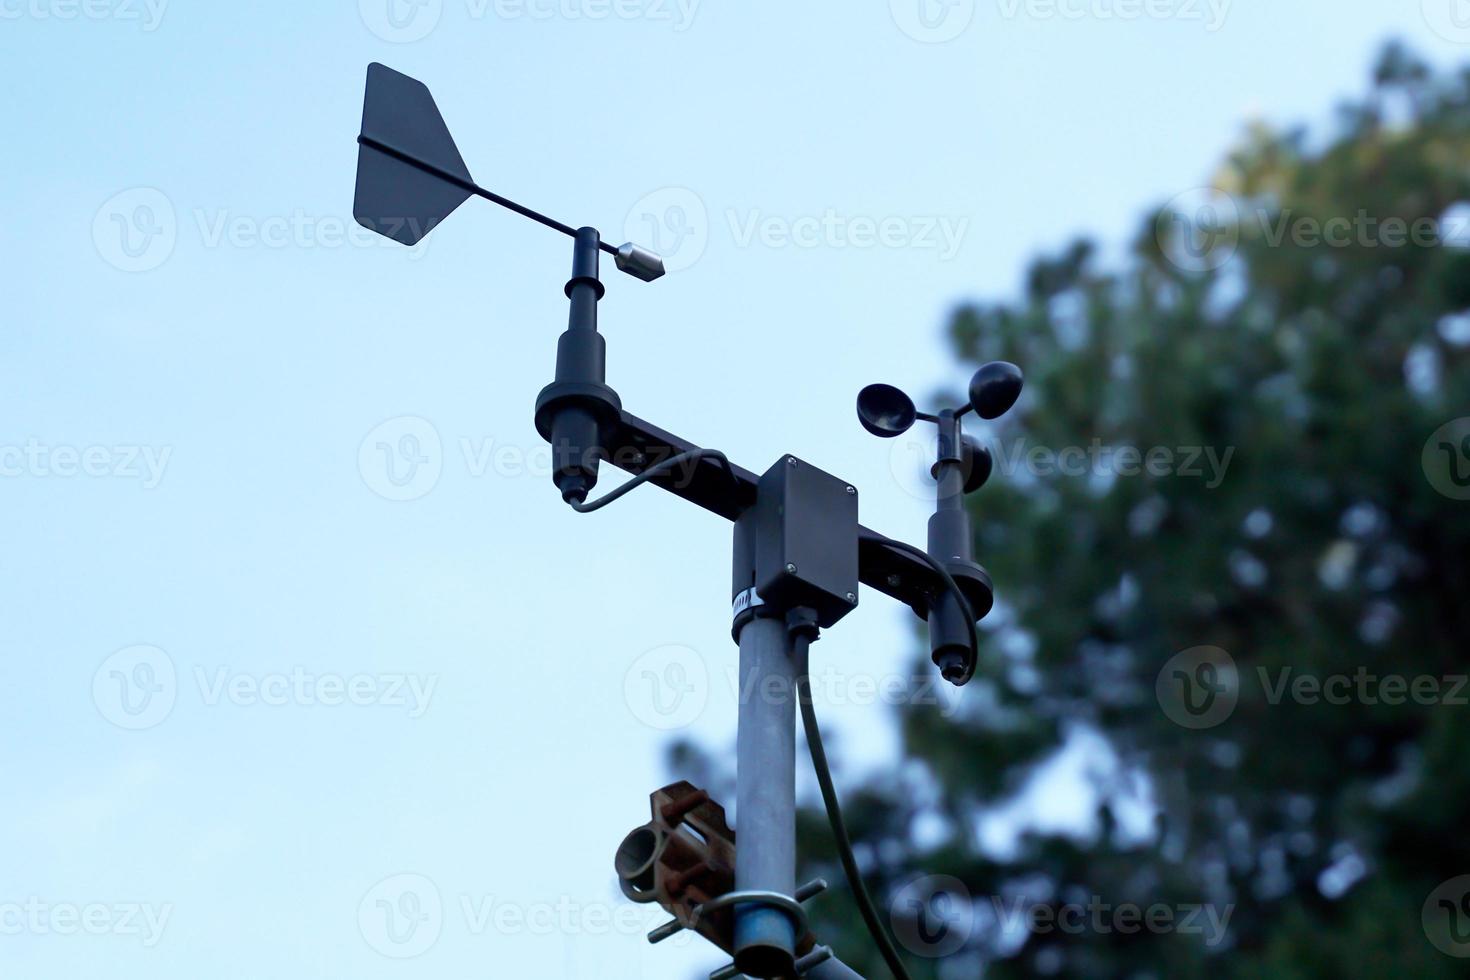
point(684, 859)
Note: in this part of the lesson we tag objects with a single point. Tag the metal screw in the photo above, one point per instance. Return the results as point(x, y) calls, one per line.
point(791, 569)
point(791, 460)
point(893, 581)
point(852, 490)
point(852, 597)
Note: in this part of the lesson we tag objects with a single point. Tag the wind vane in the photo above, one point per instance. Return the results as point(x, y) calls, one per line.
point(410, 175)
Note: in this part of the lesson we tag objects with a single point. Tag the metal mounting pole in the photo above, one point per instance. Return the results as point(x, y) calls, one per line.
point(765, 771)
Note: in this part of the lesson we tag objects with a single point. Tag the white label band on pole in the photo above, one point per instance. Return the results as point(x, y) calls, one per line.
point(748, 599)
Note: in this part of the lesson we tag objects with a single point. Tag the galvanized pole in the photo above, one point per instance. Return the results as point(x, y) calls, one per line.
point(765, 767)
point(765, 794)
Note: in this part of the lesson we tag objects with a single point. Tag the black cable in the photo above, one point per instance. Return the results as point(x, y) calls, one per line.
point(657, 469)
point(803, 627)
point(954, 589)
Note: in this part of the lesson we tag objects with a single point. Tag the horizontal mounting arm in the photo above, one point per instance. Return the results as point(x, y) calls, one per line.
point(635, 445)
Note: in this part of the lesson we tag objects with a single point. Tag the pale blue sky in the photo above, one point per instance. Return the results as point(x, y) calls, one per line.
point(829, 180)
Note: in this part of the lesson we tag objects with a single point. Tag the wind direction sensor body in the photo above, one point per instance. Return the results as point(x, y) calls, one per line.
point(799, 549)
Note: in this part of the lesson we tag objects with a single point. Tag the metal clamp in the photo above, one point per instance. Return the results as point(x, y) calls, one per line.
point(785, 903)
point(804, 965)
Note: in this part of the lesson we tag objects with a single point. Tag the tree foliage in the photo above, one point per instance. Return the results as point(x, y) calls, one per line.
point(1322, 367)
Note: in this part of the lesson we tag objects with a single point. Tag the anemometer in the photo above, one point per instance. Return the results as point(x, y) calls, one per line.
point(799, 553)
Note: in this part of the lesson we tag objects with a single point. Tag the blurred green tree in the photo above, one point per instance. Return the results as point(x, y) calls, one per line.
point(1304, 320)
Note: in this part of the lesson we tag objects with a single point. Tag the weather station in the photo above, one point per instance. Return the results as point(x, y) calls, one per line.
point(799, 556)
